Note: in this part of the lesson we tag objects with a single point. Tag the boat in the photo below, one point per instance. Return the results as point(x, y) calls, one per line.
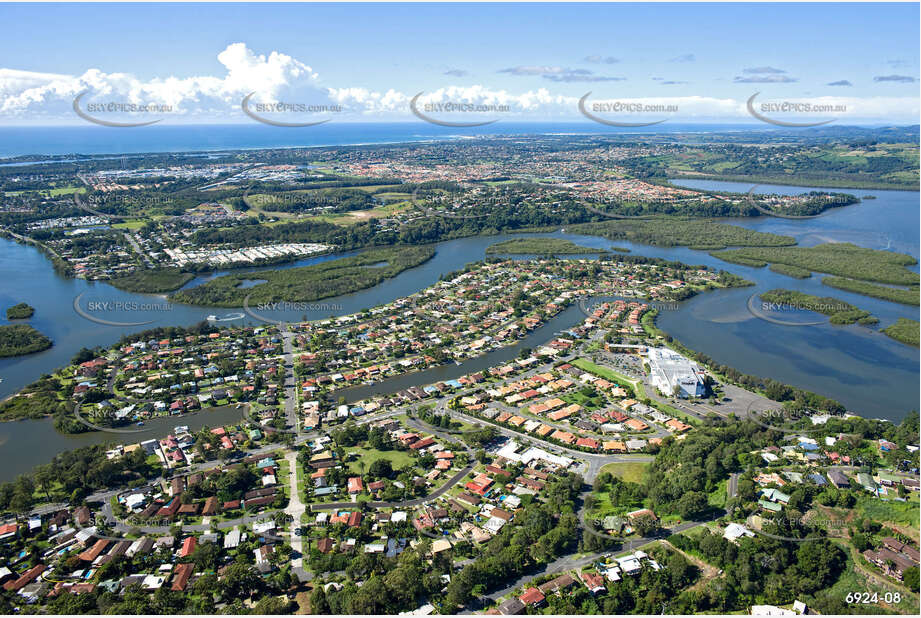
point(211, 318)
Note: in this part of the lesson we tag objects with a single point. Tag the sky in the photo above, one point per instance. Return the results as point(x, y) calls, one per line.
point(195, 63)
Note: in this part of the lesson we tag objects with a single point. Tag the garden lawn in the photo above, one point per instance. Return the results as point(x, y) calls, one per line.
point(398, 459)
point(631, 472)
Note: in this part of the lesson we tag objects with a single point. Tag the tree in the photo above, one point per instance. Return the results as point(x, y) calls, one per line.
point(206, 557)
point(45, 476)
point(911, 575)
point(207, 584)
point(268, 605)
point(692, 503)
point(860, 541)
point(381, 468)
point(318, 602)
point(239, 581)
point(645, 525)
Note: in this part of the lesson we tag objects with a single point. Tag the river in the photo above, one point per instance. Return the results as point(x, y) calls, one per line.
point(868, 372)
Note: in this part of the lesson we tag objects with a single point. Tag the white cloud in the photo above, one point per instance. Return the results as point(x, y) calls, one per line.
point(42, 98)
point(24, 93)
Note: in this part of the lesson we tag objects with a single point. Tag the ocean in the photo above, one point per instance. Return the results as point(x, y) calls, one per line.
point(98, 140)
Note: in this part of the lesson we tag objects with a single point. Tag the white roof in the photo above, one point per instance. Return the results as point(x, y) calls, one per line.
point(153, 582)
point(85, 533)
point(263, 526)
point(771, 610)
point(494, 524)
point(426, 610)
point(233, 538)
point(629, 563)
point(135, 500)
point(734, 531)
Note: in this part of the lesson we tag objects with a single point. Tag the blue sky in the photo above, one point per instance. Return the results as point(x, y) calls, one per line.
point(536, 59)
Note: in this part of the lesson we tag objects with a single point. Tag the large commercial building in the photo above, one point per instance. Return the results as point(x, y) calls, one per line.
point(668, 370)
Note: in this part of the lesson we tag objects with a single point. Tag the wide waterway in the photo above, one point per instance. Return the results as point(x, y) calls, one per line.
point(868, 372)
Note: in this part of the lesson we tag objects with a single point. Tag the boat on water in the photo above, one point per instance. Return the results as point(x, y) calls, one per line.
point(230, 317)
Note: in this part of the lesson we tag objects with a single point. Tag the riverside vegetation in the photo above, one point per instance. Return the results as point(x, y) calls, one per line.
point(21, 339)
point(675, 232)
point(308, 283)
point(896, 295)
point(904, 330)
point(153, 281)
point(843, 259)
point(838, 311)
point(21, 311)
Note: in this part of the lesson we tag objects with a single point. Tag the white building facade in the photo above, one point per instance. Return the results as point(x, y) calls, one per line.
point(669, 370)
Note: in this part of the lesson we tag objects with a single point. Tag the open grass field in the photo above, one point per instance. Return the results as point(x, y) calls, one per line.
point(606, 373)
point(53, 191)
point(889, 510)
point(355, 456)
point(631, 472)
point(134, 224)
